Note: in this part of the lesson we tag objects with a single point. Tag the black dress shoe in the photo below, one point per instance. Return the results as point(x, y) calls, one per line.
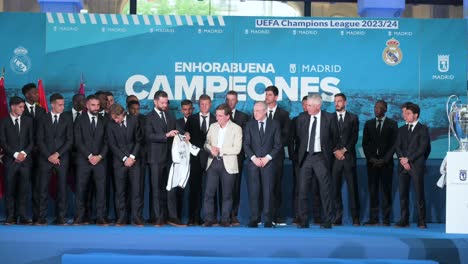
point(235, 221)
point(317, 221)
point(25, 221)
point(208, 224)
point(386, 222)
point(401, 224)
point(41, 222)
point(224, 224)
point(325, 226)
point(175, 222)
point(336, 223)
point(253, 224)
point(10, 221)
point(77, 222)
point(121, 222)
point(303, 225)
point(422, 225)
point(160, 223)
point(151, 221)
point(268, 224)
point(138, 222)
point(371, 223)
point(60, 221)
point(102, 222)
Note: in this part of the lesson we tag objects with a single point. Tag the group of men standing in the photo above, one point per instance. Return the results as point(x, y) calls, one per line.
point(109, 150)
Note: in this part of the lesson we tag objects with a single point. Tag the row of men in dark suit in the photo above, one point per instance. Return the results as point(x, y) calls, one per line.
point(167, 205)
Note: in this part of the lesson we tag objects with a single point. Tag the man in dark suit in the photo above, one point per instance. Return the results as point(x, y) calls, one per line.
point(78, 106)
point(91, 142)
point(197, 126)
point(277, 113)
point(318, 134)
point(55, 140)
point(262, 144)
point(378, 142)
point(16, 140)
point(124, 137)
point(160, 130)
point(411, 148)
point(293, 149)
point(240, 118)
point(35, 111)
point(133, 109)
point(344, 164)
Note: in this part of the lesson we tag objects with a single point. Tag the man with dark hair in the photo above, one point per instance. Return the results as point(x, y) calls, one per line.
point(224, 142)
point(262, 144)
point(79, 105)
point(318, 134)
point(240, 118)
point(197, 126)
point(131, 97)
point(102, 95)
point(110, 100)
point(124, 137)
point(277, 113)
point(34, 110)
point(133, 108)
point(16, 140)
point(293, 149)
point(91, 142)
point(55, 140)
point(186, 107)
point(160, 130)
point(411, 147)
point(344, 164)
point(378, 139)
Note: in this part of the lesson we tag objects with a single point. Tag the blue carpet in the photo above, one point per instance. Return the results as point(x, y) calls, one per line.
point(34, 245)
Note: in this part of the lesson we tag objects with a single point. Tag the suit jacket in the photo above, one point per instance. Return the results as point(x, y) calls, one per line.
point(328, 136)
point(240, 118)
point(39, 112)
point(231, 146)
point(180, 123)
point(158, 145)
point(283, 118)
point(124, 142)
point(270, 144)
point(413, 145)
point(193, 126)
point(11, 142)
point(88, 142)
point(50, 140)
point(371, 141)
point(293, 143)
point(348, 135)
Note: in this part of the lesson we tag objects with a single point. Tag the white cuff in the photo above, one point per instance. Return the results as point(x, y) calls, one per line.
point(16, 155)
point(132, 156)
point(124, 158)
point(269, 157)
point(252, 158)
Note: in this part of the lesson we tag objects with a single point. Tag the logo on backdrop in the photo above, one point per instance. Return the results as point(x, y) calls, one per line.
point(462, 175)
point(20, 62)
point(443, 63)
point(392, 54)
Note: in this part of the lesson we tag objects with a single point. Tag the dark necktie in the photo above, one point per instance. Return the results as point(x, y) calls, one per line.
point(379, 127)
point(123, 125)
point(410, 128)
point(203, 124)
point(55, 121)
point(77, 115)
point(93, 123)
point(340, 122)
point(262, 131)
point(17, 127)
point(270, 115)
point(312, 136)
point(163, 118)
point(32, 111)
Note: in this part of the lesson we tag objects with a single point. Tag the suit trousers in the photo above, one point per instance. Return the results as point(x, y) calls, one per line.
point(380, 180)
point(61, 171)
point(315, 165)
point(345, 169)
point(214, 175)
point(84, 172)
point(316, 203)
point(164, 202)
point(417, 175)
point(17, 177)
point(260, 181)
point(127, 184)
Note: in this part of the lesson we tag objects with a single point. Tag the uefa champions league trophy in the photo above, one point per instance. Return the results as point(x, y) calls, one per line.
point(457, 114)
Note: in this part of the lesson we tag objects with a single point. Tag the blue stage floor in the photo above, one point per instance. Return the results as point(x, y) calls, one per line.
point(346, 244)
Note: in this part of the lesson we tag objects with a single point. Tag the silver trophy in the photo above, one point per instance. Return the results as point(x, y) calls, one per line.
point(457, 114)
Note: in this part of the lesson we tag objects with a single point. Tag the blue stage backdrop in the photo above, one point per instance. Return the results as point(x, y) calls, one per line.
point(398, 60)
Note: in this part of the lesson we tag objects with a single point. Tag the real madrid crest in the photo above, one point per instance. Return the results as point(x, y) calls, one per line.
point(392, 54)
point(20, 62)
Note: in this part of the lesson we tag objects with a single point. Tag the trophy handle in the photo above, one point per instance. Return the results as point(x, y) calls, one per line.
point(449, 109)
